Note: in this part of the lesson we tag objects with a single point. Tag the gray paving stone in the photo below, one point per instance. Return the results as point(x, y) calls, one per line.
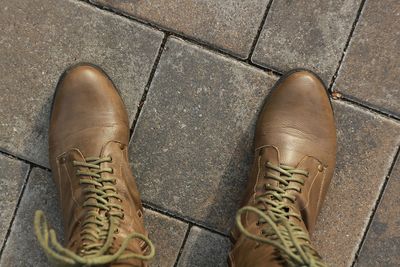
point(371, 67)
point(39, 39)
point(367, 144)
point(203, 248)
point(22, 248)
point(192, 144)
point(13, 174)
point(308, 34)
point(167, 235)
point(228, 24)
point(382, 244)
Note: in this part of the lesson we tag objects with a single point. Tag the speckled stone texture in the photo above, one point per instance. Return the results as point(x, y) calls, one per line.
point(370, 71)
point(13, 174)
point(230, 25)
point(203, 248)
point(39, 39)
point(382, 244)
point(192, 144)
point(167, 235)
point(22, 248)
point(367, 144)
point(308, 34)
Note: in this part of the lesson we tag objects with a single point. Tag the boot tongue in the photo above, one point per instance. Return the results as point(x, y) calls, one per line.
point(290, 157)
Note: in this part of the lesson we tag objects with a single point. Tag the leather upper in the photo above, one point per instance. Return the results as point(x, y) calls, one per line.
point(296, 127)
point(89, 119)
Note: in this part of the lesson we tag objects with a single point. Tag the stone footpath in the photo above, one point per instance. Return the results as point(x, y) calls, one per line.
point(193, 75)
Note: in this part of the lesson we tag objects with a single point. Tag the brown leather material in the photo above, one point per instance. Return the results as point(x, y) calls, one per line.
point(89, 119)
point(296, 127)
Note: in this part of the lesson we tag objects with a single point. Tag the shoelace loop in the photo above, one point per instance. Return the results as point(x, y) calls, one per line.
point(274, 212)
point(99, 224)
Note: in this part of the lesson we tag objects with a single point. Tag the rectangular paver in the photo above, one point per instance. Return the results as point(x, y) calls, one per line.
point(382, 244)
point(371, 67)
point(367, 144)
point(230, 25)
point(167, 235)
point(22, 248)
point(192, 144)
point(39, 39)
point(307, 34)
point(204, 248)
point(12, 176)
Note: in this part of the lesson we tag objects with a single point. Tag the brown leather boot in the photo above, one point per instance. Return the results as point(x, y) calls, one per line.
point(295, 154)
point(100, 203)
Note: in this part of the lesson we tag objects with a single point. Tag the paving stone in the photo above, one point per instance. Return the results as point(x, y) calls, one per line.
point(167, 234)
point(192, 144)
point(307, 34)
point(203, 248)
point(228, 24)
point(22, 248)
point(382, 244)
point(371, 67)
point(39, 40)
point(367, 144)
point(13, 174)
point(40, 193)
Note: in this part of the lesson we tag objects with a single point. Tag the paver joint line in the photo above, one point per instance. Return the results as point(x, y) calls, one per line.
point(253, 45)
point(32, 164)
point(26, 178)
point(182, 219)
point(375, 208)
point(183, 244)
point(147, 87)
point(333, 79)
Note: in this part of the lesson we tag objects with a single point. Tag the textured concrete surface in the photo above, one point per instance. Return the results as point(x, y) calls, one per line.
point(167, 235)
point(191, 147)
point(22, 249)
point(13, 174)
point(204, 248)
point(39, 39)
point(367, 144)
point(308, 34)
point(227, 24)
point(382, 244)
point(370, 71)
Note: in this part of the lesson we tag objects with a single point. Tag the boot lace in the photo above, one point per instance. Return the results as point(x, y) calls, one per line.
point(274, 212)
point(99, 224)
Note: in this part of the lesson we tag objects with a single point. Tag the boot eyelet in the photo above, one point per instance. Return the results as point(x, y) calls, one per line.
point(320, 168)
point(139, 213)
